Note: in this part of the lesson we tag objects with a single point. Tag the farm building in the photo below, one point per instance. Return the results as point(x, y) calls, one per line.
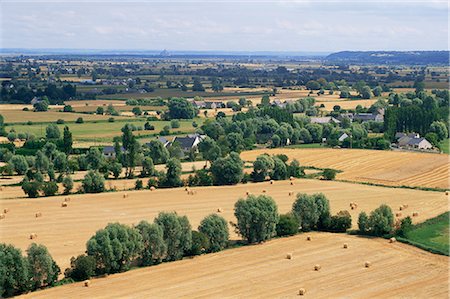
point(110, 152)
point(412, 141)
point(188, 143)
point(343, 137)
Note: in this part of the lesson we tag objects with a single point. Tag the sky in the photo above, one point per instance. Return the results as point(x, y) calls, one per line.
point(300, 26)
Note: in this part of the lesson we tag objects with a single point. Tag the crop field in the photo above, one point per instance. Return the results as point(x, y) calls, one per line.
point(262, 271)
point(391, 168)
point(90, 212)
point(346, 104)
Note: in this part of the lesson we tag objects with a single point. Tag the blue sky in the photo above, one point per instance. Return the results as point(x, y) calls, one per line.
point(226, 25)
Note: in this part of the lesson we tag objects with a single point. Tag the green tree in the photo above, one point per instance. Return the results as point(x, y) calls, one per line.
point(157, 152)
point(257, 217)
point(216, 229)
point(52, 132)
point(227, 170)
point(147, 167)
point(305, 136)
point(329, 174)
point(323, 209)
point(340, 222)
point(279, 171)
point(235, 142)
point(67, 184)
point(405, 227)
point(287, 225)
point(19, 164)
point(209, 149)
point(197, 86)
point(42, 269)
point(262, 167)
point(32, 188)
point(114, 248)
point(136, 111)
point(93, 182)
point(381, 221)
point(100, 111)
point(115, 168)
point(180, 108)
point(131, 150)
point(49, 188)
point(363, 223)
point(440, 129)
point(67, 141)
point(177, 234)
point(313, 85)
point(81, 268)
point(200, 243)
point(295, 170)
point(265, 101)
point(14, 275)
point(306, 210)
point(173, 174)
point(154, 247)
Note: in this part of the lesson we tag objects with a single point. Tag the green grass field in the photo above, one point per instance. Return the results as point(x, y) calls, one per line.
point(444, 144)
point(431, 235)
point(106, 131)
point(309, 145)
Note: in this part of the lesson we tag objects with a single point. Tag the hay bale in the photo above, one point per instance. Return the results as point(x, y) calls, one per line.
point(291, 193)
point(87, 283)
point(67, 199)
point(367, 264)
point(125, 195)
point(302, 292)
point(219, 210)
point(6, 210)
point(186, 188)
point(33, 236)
point(64, 204)
point(446, 192)
point(248, 193)
point(2, 216)
point(152, 188)
point(405, 206)
point(398, 214)
point(292, 183)
point(415, 214)
point(392, 240)
point(308, 238)
point(289, 256)
point(317, 267)
point(271, 182)
point(38, 214)
point(264, 191)
point(400, 208)
point(345, 245)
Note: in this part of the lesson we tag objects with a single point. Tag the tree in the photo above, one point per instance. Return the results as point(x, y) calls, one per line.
point(381, 221)
point(60, 162)
point(287, 225)
point(440, 129)
point(93, 182)
point(313, 85)
point(197, 86)
point(115, 168)
point(52, 132)
point(200, 243)
point(295, 170)
point(279, 171)
point(136, 111)
point(216, 230)
point(257, 217)
point(14, 275)
point(305, 136)
point(209, 149)
point(329, 174)
point(147, 167)
point(173, 174)
point(366, 93)
point(217, 85)
point(114, 248)
point(377, 91)
point(100, 111)
point(306, 210)
point(157, 152)
point(94, 158)
point(323, 210)
point(32, 188)
point(405, 227)
point(154, 247)
point(340, 222)
point(79, 120)
point(228, 170)
point(262, 167)
point(41, 106)
point(180, 108)
point(315, 130)
point(235, 142)
point(67, 184)
point(43, 269)
point(81, 268)
point(49, 188)
point(19, 164)
point(67, 141)
point(67, 108)
point(174, 123)
point(363, 223)
point(131, 149)
point(265, 100)
point(177, 234)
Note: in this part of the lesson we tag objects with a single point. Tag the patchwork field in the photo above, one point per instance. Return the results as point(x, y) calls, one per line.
point(262, 271)
point(380, 167)
point(87, 213)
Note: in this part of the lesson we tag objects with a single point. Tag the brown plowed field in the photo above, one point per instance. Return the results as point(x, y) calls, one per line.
point(65, 230)
point(391, 168)
point(262, 271)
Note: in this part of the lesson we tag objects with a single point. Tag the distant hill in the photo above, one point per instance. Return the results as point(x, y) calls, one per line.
point(390, 57)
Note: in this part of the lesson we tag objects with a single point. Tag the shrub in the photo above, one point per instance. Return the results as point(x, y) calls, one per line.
point(147, 167)
point(405, 227)
point(93, 182)
point(340, 222)
point(279, 171)
point(14, 275)
point(173, 174)
point(79, 120)
point(200, 243)
point(115, 168)
point(174, 124)
point(49, 188)
point(363, 223)
point(329, 174)
point(257, 217)
point(152, 182)
point(177, 234)
point(114, 248)
point(216, 230)
point(287, 225)
point(154, 247)
point(202, 177)
point(138, 185)
point(60, 121)
point(306, 211)
point(295, 170)
point(111, 119)
point(43, 270)
point(81, 268)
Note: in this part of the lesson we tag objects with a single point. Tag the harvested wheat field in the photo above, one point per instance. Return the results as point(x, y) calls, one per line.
point(347, 104)
point(86, 213)
point(391, 168)
point(263, 271)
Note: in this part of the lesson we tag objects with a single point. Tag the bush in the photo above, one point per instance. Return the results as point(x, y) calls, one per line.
point(60, 121)
point(79, 120)
point(216, 229)
point(154, 247)
point(173, 174)
point(287, 225)
point(340, 222)
point(50, 188)
point(200, 243)
point(202, 177)
point(177, 234)
point(405, 227)
point(114, 248)
point(306, 210)
point(20, 164)
point(111, 119)
point(329, 174)
point(14, 275)
point(81, 268)
point(93, 182)
point(279, 171)
point(257, 217)
point(174, 124)
point(43, 270)
point(262, 167)
point(138, 185)
point(152, 182)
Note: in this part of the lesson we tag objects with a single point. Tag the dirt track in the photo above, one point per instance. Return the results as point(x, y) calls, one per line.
point(262, 271)
point(380, 167)
point(65, 230)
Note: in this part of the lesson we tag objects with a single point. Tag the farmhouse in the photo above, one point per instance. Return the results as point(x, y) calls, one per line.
point(188, 143)
point(214, 105)
point(324, 120)
point(412, 141)
point(110, 152)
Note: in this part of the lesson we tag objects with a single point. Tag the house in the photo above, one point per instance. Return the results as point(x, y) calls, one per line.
point(399, 135)
point(412, 141)
point(35, 100)
point(343, 137)
point(324, 120)
point(278, 103)
point(214, 105)
point(368, 117)
point(345, 115)
point(199, 104)
point(188, 143)
point(110, 152)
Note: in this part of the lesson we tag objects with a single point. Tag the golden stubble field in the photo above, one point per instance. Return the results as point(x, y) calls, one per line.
point(391, 168)
point(262, 271)
point(65, 231)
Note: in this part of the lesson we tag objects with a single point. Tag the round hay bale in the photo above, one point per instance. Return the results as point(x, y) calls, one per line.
point(292, 183)
point(291, 193)
point(446, 192)
point(289, 256)
point(398, 214)
point(38, 214)
point(125, 195)
point(392, 240)
point(186, 188)
point(415, 214)
point(352, 207)
point(367, 264)
point(152, 188)
point(247, 193)
point(2, 216)
point(345, 245)
point(400, 208)
point(264, 191)
point(87, 283)
point(317, 267)
point(271, 182)
point(33, 236)
point(67, 199)
point(6, 210)
point(219, 210)
point(64, 204)
point(301, 291)
point(308, 238)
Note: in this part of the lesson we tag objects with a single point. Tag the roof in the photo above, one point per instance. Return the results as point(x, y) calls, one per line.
point(185, 142)
point(416, 141)
point(110, 149)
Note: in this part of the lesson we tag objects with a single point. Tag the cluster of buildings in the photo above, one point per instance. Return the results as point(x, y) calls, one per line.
point(208, 104)
point(412, 141)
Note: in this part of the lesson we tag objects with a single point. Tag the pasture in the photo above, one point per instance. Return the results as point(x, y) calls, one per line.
point(87, 213)
point(262, 271)
point(372, 166)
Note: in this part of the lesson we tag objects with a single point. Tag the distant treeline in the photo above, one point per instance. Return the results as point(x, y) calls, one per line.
point(391, 57)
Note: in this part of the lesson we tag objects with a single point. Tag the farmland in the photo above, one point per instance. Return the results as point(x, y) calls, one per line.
point(262, 271)
point(90, 212)
point(378, 167)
